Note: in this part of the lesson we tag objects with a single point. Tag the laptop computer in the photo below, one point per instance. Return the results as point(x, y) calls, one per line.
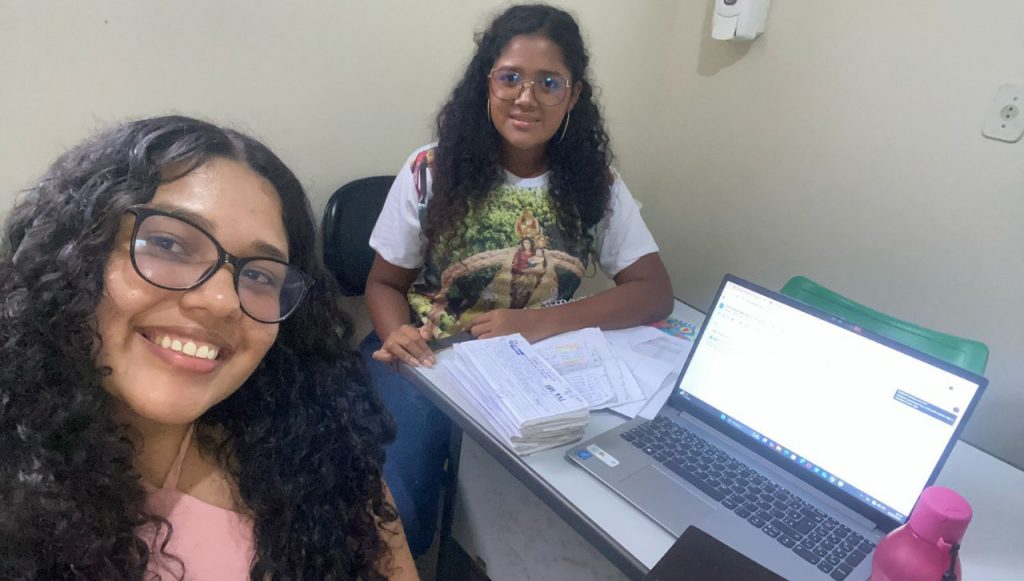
point(792, 436)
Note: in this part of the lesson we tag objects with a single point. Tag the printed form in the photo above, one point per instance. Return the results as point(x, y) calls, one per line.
point(585, 359)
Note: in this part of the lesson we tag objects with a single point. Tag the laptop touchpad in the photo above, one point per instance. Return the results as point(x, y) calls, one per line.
point(670, 503)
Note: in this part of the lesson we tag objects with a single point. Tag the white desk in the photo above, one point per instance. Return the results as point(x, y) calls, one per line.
point(993, 547)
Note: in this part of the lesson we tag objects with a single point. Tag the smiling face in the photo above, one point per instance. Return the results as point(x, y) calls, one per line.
point(524, 124)
point(175, 354)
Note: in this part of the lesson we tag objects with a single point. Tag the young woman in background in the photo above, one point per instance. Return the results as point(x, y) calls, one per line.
point(507, 210)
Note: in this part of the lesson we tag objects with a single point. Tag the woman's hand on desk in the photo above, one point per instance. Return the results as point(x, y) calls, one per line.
point(408, 344)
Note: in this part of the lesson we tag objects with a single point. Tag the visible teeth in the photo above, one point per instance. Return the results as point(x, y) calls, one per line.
point(189, 348)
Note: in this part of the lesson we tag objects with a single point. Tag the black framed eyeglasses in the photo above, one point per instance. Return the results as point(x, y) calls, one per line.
point(549, 89)
point(172, 253)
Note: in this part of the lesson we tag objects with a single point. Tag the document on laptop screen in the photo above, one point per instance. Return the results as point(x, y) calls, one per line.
point(865, 414)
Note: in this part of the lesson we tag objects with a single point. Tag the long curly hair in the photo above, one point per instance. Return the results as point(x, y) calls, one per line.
point(467, 161)
point(303, 437)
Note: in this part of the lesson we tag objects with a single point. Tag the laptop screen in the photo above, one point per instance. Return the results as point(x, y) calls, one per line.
point(865, 418)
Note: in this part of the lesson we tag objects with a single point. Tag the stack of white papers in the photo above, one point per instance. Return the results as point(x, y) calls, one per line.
point(530, 405)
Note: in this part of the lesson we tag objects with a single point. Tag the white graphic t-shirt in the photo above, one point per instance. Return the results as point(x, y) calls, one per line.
point(511, 254)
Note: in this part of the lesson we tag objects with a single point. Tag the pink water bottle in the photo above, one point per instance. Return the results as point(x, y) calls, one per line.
point(925, 548)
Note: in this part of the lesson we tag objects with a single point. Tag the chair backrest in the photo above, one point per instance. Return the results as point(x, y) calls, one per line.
point(966, 353)
point(348, 221)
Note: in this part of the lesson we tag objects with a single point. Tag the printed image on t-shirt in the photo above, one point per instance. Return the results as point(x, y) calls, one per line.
point(509, 253)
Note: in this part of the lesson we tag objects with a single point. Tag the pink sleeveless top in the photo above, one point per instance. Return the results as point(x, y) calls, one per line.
point(214, 544)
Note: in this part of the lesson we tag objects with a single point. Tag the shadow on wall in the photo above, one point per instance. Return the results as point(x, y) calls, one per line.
point(715, 55)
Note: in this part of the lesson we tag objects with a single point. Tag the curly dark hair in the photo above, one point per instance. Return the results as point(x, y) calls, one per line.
point(467, 161)
point(303, 436)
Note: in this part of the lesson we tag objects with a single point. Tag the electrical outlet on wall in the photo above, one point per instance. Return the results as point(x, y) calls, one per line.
point(1005, 119)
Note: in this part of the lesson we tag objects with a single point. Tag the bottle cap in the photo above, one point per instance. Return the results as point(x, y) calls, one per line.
point(940, 514)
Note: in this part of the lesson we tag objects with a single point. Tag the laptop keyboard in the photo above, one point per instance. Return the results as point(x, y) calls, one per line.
point(797, 525)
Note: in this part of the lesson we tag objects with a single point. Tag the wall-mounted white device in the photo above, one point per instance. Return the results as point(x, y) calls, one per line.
point(1005, 118)
point(739, 19)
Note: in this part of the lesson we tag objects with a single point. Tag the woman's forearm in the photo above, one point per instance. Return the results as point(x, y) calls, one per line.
point(642, 294)
point(389, 309)
point(386, 286)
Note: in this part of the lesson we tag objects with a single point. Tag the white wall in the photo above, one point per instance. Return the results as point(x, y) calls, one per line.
point(844, 145)
point(338, 89)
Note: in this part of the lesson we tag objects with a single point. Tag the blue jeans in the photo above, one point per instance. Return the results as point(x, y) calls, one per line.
point(414, 469)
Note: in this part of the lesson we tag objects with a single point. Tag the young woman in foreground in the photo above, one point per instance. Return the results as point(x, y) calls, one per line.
point(177, 394)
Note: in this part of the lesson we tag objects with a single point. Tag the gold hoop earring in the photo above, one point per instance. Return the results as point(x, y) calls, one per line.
point(489, 110)
point(564, 129)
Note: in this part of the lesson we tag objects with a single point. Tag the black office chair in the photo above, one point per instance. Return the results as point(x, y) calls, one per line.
point(348, 221)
